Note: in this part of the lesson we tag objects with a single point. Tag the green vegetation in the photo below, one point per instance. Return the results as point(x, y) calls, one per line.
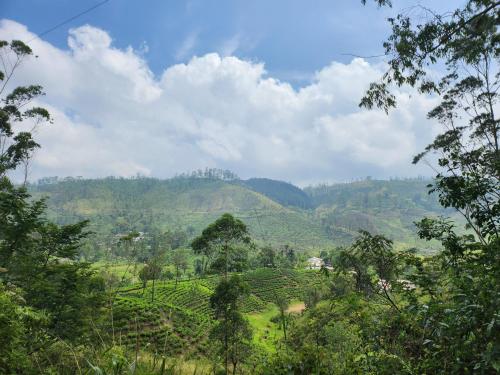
point(182, 313)
point(284, 193)
point(47, 297)
point(266, 333)
point(333, 215)
point(371, 308)
point(116, 206)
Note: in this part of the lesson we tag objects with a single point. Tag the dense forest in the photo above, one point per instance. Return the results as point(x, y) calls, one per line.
point(206, 273)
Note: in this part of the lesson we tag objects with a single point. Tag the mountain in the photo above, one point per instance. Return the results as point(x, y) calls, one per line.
point(276, 212)
point(116, 205)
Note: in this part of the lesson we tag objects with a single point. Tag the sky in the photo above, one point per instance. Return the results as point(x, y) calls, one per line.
point(263, 88)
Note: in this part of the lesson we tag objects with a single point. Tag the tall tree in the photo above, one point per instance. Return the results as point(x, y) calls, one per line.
point(232, 330)
point(16, 148)
point(219, 241)
point(461, 284)
point(267, 257)
point(282, 302)
point(39, 258)
point(465, 42)
point(374, 265)
point(180, 261)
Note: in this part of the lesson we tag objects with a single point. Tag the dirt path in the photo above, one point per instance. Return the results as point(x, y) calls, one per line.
point(296, 308)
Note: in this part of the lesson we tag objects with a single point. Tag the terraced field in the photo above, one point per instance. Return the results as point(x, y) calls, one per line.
point(179, 318)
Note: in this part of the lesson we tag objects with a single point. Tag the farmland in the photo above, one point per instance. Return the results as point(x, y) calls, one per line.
point(177, 319)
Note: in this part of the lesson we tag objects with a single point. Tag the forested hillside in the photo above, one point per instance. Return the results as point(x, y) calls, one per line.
point(386, 207)
point(185, 203)
point(281, 192)
point(276, 212)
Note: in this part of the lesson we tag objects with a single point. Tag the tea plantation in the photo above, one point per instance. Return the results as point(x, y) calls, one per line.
point(179, 318)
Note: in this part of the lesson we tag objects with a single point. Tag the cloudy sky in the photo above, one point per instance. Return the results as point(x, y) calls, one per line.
point(263, 88)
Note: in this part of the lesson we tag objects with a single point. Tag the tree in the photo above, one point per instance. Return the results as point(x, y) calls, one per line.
point(13, 341)
point(375, 266)
point(312, 295)
point(232, 330)
point(267, 257)
point(176, 239)
point(282, 302)
point(198, 267)
point(460, 285)
point(219, 240)
point(41, 259)
point(155, 260)
point(180, 262)
point(57, 295)
point(144, 276)
point(150, 271)
point(466, 43)
point(17, 148)
point(129, 241)
point(237, 261)
point(286, 257)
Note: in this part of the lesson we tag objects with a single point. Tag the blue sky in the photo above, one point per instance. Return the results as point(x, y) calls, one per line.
point(294, 38)
point(272, 91)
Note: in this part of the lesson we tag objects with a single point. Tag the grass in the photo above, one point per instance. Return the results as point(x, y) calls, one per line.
point(265, 333)
point(119, 270)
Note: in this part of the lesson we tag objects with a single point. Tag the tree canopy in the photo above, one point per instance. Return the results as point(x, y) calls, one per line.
point(218, 242)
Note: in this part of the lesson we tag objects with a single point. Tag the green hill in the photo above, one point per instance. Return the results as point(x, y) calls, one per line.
point(119, 205)
point(386, 207)
point(276, 212)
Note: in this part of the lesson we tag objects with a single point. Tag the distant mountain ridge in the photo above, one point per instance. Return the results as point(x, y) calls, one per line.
point(276, 212)
point(282, 192)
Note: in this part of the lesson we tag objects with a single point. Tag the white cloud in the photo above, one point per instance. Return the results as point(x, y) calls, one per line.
point(113, 117)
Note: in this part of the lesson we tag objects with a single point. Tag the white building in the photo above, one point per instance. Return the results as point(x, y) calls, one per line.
point(315, 263)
